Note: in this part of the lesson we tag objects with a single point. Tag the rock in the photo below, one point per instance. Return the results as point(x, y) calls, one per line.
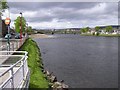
point(47, 73)
point(53, 78)
point(56, 85)
point(60, 86)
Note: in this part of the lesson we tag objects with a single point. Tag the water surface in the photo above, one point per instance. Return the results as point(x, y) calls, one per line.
point(82, 61)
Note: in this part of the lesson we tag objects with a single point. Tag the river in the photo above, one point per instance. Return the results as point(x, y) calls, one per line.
point(82, 61)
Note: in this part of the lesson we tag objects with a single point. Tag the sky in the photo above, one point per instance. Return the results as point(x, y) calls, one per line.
point(56, 15)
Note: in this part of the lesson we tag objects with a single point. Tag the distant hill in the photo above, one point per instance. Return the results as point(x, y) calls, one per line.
point(69, 29)
point(77, 29)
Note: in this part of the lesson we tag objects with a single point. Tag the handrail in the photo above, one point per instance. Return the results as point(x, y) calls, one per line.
point(6, 81)
point(11, 67)
point(15, 52)
point(14, 43)
point(16, 62)
point(23, 62)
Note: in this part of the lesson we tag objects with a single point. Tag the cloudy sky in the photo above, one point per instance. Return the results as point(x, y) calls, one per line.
point(53, 15)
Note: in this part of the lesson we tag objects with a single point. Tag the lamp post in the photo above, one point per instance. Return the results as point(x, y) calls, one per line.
point(26, 30)
point(7, 22)
point(20, 25)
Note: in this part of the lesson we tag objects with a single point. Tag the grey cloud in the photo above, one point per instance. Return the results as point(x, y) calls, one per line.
point(111, 8)
point(40, 19)
point(29, 6)
point(71, 14)
point(79, 5)
point(67, 11)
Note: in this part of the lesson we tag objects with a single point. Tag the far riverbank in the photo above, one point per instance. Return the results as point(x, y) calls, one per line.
point(102, 35)
point(38, 36)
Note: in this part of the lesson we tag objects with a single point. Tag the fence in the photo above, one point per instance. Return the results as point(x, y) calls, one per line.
point(14, 44)
point(14, 72)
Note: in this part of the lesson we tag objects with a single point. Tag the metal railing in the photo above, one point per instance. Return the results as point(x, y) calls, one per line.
point(14, 75)
point(14, 44)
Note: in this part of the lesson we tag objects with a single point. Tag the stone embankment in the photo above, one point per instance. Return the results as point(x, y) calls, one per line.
point(55, 84)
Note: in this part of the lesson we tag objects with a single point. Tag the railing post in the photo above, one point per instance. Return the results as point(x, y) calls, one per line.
point(13, 46)
point(12, 78)
point(23, 68)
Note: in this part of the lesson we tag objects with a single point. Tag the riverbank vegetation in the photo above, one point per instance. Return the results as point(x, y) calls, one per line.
point(37, 78)
point(107, 31)
point(103, 35)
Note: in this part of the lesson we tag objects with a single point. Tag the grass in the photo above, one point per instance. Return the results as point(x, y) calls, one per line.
point(86, 34)
point(110, 35)
point(37, 78)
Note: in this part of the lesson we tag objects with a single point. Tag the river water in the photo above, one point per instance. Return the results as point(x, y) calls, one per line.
point(82, 61)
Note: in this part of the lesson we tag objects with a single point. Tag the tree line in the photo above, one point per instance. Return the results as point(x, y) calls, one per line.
point(97, 29)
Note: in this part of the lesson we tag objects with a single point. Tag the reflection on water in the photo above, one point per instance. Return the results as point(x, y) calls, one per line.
point(82, 61)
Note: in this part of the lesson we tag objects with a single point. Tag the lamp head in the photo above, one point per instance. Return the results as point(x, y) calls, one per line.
point(20, 13)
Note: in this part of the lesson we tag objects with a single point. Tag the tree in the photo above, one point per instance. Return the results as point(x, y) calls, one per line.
point(3, 6)
point(97, 28)
point(87, 29)
point(18, 23)
point(29, 29)
point(83, 30)
point(109, 28)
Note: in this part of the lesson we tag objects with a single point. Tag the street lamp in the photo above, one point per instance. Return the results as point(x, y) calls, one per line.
point(20, 25)
point(26, 29)
point(7, 22)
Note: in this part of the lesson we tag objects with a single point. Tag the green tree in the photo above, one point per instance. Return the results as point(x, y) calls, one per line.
point(29, 29)
point(87, 29)
point(109, 28)
point(20, 22)
point(83, 30)
point(97, 28)
point(3, 6)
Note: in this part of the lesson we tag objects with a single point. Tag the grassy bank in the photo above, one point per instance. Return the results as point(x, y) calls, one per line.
point(37, 78)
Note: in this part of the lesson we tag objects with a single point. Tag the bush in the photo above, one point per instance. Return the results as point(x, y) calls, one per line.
point(94, 33)
point(97, 34)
